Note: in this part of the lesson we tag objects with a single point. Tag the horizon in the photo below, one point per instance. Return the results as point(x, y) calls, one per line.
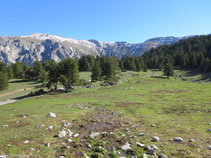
point(112, 21)
point(100, 40)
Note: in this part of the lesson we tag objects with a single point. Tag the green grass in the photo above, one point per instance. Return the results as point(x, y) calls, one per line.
point(17, 84)
point(178, 108)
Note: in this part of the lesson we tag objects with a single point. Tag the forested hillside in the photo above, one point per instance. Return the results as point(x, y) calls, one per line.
point(193, 53)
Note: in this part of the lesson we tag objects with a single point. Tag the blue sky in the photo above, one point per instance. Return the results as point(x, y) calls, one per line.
point(106, 20)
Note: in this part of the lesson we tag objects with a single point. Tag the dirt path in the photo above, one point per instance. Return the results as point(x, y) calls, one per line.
point(7, 102)
point(13, 92)
point(10, 93)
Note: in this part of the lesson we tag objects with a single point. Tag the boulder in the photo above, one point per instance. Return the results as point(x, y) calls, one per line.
point(162, 155)
point(178, 139)
point(155, 139)
point(191, 140)
point(154, 147)
point(139, 144)
point(51, 114)
point(47, 144)
point(62, 134)
point(94, 135)
point(145, 156)
point(126, 146)
point(141, 134)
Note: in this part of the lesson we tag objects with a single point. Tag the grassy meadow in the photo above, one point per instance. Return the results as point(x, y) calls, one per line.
point(177, 108)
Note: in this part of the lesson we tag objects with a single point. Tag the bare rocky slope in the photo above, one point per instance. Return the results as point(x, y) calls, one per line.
point(45, 47)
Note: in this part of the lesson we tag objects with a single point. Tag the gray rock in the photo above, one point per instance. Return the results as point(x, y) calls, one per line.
point(140, 144)
point(162, 155)
point(4, 126)
point(47, 144)
point(26, 142)
point(117, 152)
point(209, 123)
point(50, 127)
point(209, 130)
point(209, 147)
point(154, 147)
point(191, 140)
point(126, 146)
point(51, 114)
point(153, 125)
point(33, 149)
point(2, 156)
point(67, 124)
point(155, 139)
point(62, 134)
point(61, 157)
point(141, 134)
point(178, 139)
point(145, 156)
point(133, 156)
point(69, 141)
point(76, 135)
point(94, 135)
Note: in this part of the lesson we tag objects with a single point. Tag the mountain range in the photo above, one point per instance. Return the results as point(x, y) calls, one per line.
point(46, 47)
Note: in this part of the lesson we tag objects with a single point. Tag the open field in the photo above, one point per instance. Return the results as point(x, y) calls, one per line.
point(177, 108)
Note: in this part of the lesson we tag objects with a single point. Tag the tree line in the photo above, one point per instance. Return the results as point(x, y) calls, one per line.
point(192, 53)
point(66, 72)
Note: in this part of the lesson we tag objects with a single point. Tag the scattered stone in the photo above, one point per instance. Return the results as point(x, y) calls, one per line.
point(104, 134)
point(76, 135)
point(132, 136)
point(209, 130)
point(133, 156)
point(42, 125)
point(139, 144)
point(94, 135)
point(89, 146)
point(26, 142)
point(153, 125)
point(178, 139)
point(123, 135)
point(2, 156)
point(141, 134)
point(33, 149)
point(52, 114)
point(61, 157)
point(67, 124)
point(117, 152)
point(126, 146)
point(145, 156)
point(47, 144)
point(155, 139)
point(209, 147)
point(62, 134)
point(69, 141)
point(85, 155)
point(191, 140)
point(50, 127)
point(152, 152)
point(154, 147)
point(9, 145)
point(162, 155)
point(4, 126)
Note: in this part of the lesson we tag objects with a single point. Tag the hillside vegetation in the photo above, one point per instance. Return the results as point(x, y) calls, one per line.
point(142, 102)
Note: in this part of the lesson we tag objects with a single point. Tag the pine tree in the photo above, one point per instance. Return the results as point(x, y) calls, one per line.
point(96, 72)
point(168, 70)
point(69, 70)
point(3, 80)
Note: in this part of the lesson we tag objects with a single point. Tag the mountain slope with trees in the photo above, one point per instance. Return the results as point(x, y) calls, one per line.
point(192, 53)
